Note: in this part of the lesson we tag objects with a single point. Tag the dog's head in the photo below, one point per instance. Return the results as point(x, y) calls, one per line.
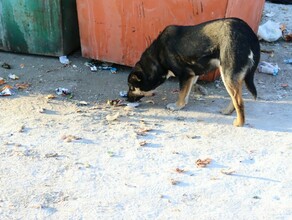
point(143, 81)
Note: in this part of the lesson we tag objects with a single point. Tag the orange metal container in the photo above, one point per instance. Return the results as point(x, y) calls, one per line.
point(118, 31)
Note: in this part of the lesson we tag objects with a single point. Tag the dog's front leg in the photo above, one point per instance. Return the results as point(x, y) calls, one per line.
point(183, 97)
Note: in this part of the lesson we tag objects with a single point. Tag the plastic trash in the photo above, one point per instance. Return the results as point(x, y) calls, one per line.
point(288, 61)
point(124, 94)
point(62, 91)
point(269, 68)
point(97, 65)
point(64, 60)
point(270, 31)
point(6, 92)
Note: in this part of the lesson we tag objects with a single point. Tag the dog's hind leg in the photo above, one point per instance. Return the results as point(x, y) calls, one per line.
point(234, 88)
point(185, 89)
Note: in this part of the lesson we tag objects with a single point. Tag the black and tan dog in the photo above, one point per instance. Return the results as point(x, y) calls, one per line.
point(189, 51)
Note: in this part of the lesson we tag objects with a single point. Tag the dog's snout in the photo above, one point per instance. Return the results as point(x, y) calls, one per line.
point(132, 97)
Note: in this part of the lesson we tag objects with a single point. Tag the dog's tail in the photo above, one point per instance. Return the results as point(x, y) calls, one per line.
point(249, 82)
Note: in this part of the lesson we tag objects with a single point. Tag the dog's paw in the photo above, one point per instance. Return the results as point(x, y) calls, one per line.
point(238, 123)
point(174, 107)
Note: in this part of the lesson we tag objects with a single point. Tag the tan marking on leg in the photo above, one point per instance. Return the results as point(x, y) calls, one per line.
point(235, 92)
point(183, 96)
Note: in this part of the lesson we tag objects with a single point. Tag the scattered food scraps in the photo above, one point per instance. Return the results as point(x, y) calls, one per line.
point(203, 163)
point(284, 85)
point(13, 76)
point(287, 36)
point(116, 102)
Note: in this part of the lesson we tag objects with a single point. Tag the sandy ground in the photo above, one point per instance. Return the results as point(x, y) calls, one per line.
point(76, 157)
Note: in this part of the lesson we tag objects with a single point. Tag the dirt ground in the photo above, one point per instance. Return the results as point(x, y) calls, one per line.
point(77, 157)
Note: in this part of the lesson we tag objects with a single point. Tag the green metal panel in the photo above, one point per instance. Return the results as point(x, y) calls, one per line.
point(47, 27)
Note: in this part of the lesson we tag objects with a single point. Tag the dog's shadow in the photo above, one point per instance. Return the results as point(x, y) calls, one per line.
point(260, 114)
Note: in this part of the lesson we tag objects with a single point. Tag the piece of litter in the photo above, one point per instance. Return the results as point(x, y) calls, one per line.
point(22, 85)
point(2, 81)
point(70, 138)
point(178, 170)
point(268, 68)
point(133, 104)
point(269, 31)
point(228, 171)
point(51, 96)
point(62, 91)
point(82, 103)
point(123, 93)
point(6, 66)
point(13, 76)
point(203, 163)
point(150, 102)
point(97, 65)
point(142, 143)
point(50, 155)
point(116, 102)
point(113, 117)
point(6, 92)
point(64, 60)
point(288, 61)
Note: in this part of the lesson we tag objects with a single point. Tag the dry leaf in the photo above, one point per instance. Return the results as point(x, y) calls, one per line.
point(203, 163)
point(70, 138)
point(51, 96)
point(6, 87)
point(2, 81)
point(22, 85)
point(142, 143)
point(174, 182)
point(178, 170)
